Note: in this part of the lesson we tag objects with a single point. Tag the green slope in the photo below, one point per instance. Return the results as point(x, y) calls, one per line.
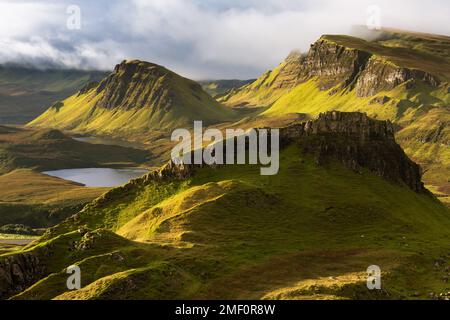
point(25, 93)
point(229, 233)
point(220, 234)
point(138, 98)
point(400, 76)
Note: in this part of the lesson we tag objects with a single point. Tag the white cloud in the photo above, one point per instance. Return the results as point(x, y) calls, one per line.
point(200, 39)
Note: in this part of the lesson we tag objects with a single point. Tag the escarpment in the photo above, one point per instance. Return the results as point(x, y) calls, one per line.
point(379, 75)
point(332, 64)
point(359, 142)
point(342, 63)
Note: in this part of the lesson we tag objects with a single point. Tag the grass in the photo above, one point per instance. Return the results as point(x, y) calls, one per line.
point(231, 233)
point(33, 199)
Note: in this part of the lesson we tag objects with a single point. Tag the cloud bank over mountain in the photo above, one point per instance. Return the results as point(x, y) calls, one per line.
point(199, 39)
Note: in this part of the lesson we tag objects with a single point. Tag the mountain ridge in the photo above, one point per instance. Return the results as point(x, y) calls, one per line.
point(398, 76)
point(138, 97)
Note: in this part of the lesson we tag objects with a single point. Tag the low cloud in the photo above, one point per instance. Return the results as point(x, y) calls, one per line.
point(199, 39)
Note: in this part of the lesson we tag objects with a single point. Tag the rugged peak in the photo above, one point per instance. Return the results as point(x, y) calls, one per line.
point(136, 98)
point(347, 63)
point(137, 84)
point(132, 66)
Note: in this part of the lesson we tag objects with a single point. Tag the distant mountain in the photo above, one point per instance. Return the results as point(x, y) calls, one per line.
point(219, 87)
point(26, 92)
point(137, 98)
point(400, 76)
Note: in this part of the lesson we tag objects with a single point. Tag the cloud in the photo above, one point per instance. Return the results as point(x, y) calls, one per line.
point(197, 38)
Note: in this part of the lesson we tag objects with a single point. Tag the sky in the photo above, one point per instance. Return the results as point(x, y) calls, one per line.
point(200, 39)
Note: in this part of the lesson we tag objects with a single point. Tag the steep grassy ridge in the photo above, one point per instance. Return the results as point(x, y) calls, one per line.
point(137, 99)
point(221, 235)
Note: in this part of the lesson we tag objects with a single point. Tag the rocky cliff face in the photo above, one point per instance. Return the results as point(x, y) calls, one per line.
point(358, 142)
point(333, 64)
point(18, 272)
point(354, 68)
point(380, 75)
point(341, 62)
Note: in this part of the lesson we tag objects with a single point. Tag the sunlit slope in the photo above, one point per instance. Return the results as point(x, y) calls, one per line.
point(138, 97)
point(400, 76)
point(310, 231)
point(220, 234)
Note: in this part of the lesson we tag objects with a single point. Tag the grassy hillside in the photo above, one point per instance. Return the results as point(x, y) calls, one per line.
point(25, 93)
point(138, 98)
point(197, 232)
point(400, 76)
point(229, 233)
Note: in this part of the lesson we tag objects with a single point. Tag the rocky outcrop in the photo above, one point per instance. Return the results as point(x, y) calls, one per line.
point(380, 75)
point(354, 139)
point(368, 72)
point(88, 87)
point(333, 64)
point(358, 142)
point(18, 272)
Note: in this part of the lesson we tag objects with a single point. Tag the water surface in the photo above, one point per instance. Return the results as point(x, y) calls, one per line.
point(99, 177)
